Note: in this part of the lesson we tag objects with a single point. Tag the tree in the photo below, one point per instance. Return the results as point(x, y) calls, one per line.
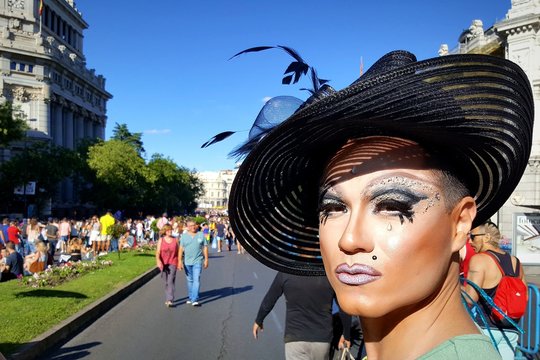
point(171, 188)
point(122, 133)
point(12, 124)
point(120, 175)
point(47, 165)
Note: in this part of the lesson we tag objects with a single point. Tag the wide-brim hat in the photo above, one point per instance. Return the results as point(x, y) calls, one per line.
point(476, 111)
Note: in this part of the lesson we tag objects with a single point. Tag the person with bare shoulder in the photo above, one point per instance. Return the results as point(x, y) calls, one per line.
point(486, 269)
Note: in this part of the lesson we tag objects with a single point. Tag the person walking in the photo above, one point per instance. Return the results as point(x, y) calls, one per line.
point(195, 251)
point(167, 255)
point(484, 272)
point(308, 320)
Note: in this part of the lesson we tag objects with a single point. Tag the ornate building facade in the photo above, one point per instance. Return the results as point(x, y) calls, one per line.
point(217, 187)
point(43, 72)
point(516, 38)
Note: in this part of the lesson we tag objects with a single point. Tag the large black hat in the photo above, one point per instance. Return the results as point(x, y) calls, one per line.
point(475, 110)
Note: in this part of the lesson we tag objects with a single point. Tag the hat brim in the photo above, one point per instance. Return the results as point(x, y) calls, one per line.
point(476, 110)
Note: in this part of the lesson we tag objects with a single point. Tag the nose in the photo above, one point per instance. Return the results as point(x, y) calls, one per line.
point(356, 236)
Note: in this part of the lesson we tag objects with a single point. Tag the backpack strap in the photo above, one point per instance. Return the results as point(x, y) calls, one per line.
point(497, 262)
point(516, 272)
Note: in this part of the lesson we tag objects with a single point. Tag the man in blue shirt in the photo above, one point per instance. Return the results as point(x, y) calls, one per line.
point(3, 229)
point(14, 264)
point(194, 249)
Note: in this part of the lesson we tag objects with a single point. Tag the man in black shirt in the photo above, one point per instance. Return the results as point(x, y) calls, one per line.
point(308, 320)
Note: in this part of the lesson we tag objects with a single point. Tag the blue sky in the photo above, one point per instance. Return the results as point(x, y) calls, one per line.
point(167, 62)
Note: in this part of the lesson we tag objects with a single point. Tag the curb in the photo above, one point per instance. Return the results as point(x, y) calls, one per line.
point(79, 321)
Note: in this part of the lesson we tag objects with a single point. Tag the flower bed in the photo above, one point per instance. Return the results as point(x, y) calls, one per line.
point(150, 247)
point(53, 276)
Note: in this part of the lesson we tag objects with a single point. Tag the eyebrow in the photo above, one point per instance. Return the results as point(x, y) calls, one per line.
point(376, 182)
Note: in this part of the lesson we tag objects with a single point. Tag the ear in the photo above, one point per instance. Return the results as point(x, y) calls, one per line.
point(487, 238)
point(462, 216)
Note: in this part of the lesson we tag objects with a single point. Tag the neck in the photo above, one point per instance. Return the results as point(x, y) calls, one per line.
point(438, 318)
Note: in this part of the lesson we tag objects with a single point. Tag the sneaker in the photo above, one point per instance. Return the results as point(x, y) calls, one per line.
point(188, 302)
point(168, 303)
point(196, 303)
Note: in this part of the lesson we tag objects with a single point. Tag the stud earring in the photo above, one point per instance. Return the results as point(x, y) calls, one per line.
point(374, 257)
point(389, 227)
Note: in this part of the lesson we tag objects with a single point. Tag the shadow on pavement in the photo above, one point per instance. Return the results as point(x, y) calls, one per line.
point(72, 353)
point(8, 348)
point(212, 295)
point(51, 293)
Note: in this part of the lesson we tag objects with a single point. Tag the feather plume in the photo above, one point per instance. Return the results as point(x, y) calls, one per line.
point(279, 108)
point(217, 138)
point(295, 70)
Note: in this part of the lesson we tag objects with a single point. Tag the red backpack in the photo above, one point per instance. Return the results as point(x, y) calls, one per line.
point(510, 296)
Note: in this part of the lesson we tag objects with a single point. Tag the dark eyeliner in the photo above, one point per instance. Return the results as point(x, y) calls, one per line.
point(398, 200)
point(326, 202)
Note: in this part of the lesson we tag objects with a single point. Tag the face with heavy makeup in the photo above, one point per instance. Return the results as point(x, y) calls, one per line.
point(388, 238)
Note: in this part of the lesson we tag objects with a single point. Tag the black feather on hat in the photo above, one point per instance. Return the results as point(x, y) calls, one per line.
point(475, 110)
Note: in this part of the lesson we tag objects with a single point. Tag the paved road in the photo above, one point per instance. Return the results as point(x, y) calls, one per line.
point(141, 327)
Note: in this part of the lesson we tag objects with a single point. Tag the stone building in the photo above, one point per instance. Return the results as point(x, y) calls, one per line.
point(217, 187)
point(515, 38)
point(43, 71)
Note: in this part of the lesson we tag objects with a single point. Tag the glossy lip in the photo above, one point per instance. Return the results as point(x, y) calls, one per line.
point(356, 274)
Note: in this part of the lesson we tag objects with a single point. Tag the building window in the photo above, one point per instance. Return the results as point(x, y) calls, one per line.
point(30, 68)
point(21, 67)
point(56, 77)
point(13, 65)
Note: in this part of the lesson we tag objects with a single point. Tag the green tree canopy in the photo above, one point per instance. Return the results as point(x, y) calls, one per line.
point(171, 187)
point(47, 165)
point(120, 174)
point(12, 124)
point(122, 133)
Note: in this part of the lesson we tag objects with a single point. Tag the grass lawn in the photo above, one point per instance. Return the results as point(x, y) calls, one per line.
point(27, 312)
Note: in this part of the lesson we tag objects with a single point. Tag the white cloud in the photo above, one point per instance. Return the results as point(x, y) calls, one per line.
point(266, 98)
point(156, 131)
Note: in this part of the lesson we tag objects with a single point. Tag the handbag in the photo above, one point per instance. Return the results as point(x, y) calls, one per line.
point(37, 266)
point(346, 354)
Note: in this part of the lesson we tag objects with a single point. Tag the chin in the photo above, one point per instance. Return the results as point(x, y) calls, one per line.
point(352, 301)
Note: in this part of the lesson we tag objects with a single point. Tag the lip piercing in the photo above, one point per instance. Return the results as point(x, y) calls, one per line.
point(374, 257)
point(389, 227)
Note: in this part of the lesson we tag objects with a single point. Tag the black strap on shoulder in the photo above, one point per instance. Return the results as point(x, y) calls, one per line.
point(504, 263)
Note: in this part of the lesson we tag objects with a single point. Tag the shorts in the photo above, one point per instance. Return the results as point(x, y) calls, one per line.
point(104, 237)
point(94, 235)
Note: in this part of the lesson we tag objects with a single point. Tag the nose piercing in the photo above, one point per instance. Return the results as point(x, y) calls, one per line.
point(389, 227)
point(374, 257)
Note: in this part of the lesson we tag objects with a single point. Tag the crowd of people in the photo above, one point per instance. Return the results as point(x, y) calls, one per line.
point(30, 245)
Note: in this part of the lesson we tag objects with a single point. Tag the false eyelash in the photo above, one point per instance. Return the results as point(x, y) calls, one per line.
point(326, 206)
point(396, 208)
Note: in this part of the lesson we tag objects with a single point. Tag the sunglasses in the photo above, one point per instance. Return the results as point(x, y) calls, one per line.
point(473, 235)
